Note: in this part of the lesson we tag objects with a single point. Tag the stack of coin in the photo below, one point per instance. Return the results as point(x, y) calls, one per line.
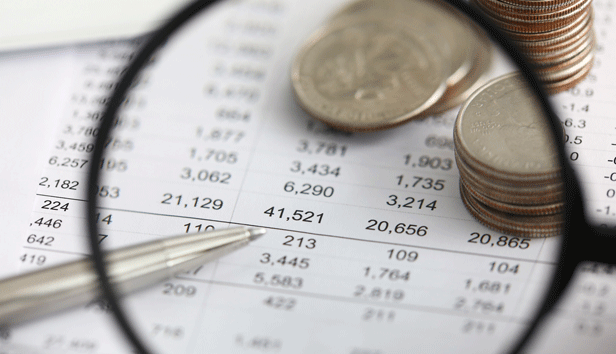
point(557, 35)
point(509, 172)
point(380, 63)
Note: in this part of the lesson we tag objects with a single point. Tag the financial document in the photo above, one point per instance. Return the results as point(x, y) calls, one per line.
point(369, 247)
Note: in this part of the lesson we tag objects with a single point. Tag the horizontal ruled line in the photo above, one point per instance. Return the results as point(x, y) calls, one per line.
point(335, 236)
point(60, 197)
point(56, 251)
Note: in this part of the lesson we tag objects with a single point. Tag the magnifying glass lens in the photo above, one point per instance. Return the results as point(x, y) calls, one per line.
point(278, 115)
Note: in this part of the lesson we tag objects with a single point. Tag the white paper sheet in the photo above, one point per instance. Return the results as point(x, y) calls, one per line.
point(214, 137)
point(28, 24)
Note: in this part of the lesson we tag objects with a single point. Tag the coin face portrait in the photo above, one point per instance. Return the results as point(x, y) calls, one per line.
point(519, 128)
point(362, 65)
point(368, 74)
point(452, 34)
point(502, 128)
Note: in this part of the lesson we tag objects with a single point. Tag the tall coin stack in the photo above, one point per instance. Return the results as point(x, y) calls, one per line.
point(379, 63)
point(557, 35)
point(509, 172)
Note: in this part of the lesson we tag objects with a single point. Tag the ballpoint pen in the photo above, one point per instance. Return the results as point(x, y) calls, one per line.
point(25, 297)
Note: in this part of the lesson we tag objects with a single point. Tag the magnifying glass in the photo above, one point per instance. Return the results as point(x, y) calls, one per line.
point(204, 156)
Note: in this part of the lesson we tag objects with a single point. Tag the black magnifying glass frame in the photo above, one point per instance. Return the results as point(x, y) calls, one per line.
point(580, 241)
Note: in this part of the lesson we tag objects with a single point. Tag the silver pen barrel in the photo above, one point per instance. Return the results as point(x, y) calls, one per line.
point(28, 296)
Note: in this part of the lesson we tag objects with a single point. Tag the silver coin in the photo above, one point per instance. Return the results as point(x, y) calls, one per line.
point(559, 39)
point(475, 78)
point(512, 208)
point(502, 129)
point(453, 34)
point(459, 41)
point(571, 66)
point(512, 194)
point(517, 225)
point(368, 73)
point(569, 82)
point(556, 35)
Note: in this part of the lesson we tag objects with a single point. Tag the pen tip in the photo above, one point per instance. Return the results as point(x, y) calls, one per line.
point(256, 232)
